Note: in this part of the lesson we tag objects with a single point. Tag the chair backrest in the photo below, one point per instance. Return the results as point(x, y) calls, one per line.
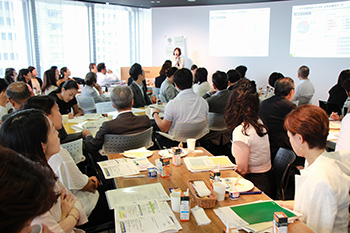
point(104, 107)
point(75, 149)
point(216, 121)
point(162, 98)
point(330, 107)
point(155, 91)
point(184, 130)
point(281, 163)
point(114, 143)
point(87, 104)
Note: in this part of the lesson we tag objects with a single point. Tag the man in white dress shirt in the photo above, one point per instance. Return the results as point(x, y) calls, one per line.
point(104, 76)
point(185, 107)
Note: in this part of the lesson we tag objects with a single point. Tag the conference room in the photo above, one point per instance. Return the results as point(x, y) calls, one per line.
point(263, 36)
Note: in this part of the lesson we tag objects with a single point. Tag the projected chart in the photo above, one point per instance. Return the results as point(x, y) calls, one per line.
point(321, 30)
point(243, 33)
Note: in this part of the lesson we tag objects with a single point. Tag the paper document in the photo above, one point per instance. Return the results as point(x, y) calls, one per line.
point(142, 164)
point(142, 216)
point(118, 167)
point(136, 193)
point(206, 163)
point(252, 214)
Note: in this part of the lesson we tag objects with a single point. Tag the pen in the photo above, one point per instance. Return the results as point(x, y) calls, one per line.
point(135, 176)
point(253, 192)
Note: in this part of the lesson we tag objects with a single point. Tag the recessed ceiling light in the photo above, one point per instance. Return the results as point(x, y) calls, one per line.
point(158, 1)
point(191, 0)
point(152, 1)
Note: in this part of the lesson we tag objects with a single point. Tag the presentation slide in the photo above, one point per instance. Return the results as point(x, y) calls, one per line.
point(321, 30)
point(239, 33)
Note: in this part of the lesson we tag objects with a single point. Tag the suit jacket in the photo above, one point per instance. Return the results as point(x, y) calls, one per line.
point(125, 123)
point(273, 112)
point(217, 103)
point(139, 99)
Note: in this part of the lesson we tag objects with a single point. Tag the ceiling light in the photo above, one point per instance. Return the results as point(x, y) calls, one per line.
point(191, 0)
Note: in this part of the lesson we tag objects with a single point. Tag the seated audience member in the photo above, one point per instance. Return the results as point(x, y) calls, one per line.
point(217, 98)
point(233, 77)
point(185, 107)
point(5, 104)
point(272, 80)
point(305, 90)
point(162, 74)
point(322, 189)
point(250, 141)
point(167, 89)
point(104, 76)
point(65, 98)
point(10, 75)
point(50, 108)
point(274, 77)
point(274, 110)
point(32, 134)
point(242, 70)
point(194, 68)
point(64, 75)
point(35, 81)
point(25, 76)
point(344, 134)
point(179, 62)
point(138, 87)
point(89, 90)
point(55, 68)
point(337, 94)
point(82, 186)
point(17, 93)
point(125, 123)
point(93, 68)
point(26, 192)
point(217, 141)
point(201, 85)
point(50, 82)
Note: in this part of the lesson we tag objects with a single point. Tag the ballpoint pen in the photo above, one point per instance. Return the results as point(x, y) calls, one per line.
point(252, 192)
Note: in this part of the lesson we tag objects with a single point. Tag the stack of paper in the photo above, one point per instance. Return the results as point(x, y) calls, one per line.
point(206, 163)
point(118, 167)
point(142, 208)
point(143, 216)
point(253, 217)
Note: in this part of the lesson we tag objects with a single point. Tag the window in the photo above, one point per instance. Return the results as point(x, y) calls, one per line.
point(63, 35)
point(10, 43)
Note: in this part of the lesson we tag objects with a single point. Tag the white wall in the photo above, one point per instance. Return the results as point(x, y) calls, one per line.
point(193, 23)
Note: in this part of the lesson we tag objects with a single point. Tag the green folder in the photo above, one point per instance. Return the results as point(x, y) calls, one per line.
point(259, 212)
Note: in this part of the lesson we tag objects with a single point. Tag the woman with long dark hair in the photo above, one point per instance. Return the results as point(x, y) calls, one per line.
point(50, 82)
point(32, 134)
point(65, 98)
point(26, 192)
point(250, 142)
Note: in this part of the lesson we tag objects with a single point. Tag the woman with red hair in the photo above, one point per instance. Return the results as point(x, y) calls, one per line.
point(322, 189)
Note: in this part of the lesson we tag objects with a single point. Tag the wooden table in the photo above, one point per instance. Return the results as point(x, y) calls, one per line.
point(179, 177)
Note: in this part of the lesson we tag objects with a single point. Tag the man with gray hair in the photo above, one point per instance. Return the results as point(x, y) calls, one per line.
point(125, 123)
point(305, 90)
point(17, 93)
point(273, 111)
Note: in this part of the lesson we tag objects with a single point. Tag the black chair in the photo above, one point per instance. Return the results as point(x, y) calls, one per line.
point(330, 107)
point(282, 165)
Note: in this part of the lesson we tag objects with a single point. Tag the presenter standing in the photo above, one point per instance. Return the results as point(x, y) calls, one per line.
point(178, 61)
